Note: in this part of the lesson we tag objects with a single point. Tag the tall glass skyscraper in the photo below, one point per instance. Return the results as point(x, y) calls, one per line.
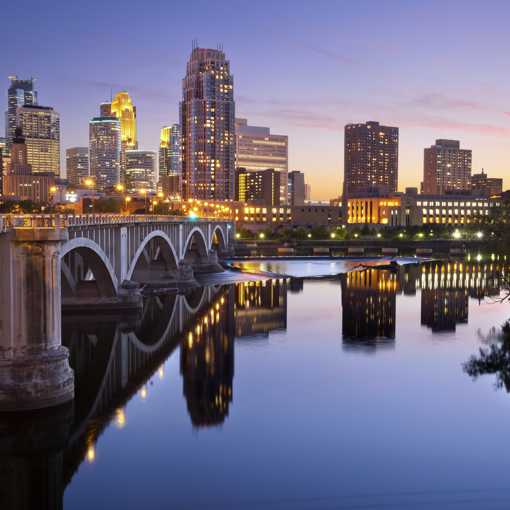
point(20, 93)
point(140, 170)
point(207, 113)
point(104, 151)
point(170, 155)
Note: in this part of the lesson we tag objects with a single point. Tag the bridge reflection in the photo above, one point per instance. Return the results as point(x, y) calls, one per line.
point(114, 357)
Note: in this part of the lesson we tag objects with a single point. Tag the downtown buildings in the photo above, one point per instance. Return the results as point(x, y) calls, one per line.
point(20, 93)
point(446, 168)
point(170, 160)
point(140, 172)
point(104, 151)
point(258, 149)
point(77, 165)
point(207, 113)
point(370, 159)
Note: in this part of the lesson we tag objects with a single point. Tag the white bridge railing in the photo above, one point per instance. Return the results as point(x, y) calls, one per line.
point(10, 221)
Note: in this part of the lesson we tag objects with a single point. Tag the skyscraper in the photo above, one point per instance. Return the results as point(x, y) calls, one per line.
point(370, 159)
point(482, 184)
point(122, 107)
point(207, 113)
point(140, 170)
point(260, 186)
point(20, 93)
point(41, 128)
point(104, 151)
point(446, 168)
point(170, 157)
point(77, 164)
point(258, 149)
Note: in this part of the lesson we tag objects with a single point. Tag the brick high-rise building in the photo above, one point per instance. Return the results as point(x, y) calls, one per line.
point(370, 159)
point(260, 187)
point(297, 188)
point(207, 113)
point(446, 168)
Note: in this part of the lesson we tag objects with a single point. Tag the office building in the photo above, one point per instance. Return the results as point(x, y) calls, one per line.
point(207, 114)
point(258, 149)
point(19, 182)
point(297, 188)
point(482, 184)
point(140, 170)
point(20, 93)
point(446, 168)
point(122, 107)
point(370, 159)
point(77, 165)
point(41, 128)
point(170, 157)
point(104, 151)
point(259, 187)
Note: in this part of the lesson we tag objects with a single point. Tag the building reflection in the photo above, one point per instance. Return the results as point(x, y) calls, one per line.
point(207, 362)
point(260, 307)
point(368, 306)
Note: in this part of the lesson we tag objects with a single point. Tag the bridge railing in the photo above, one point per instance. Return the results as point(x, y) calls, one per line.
point(9, 221)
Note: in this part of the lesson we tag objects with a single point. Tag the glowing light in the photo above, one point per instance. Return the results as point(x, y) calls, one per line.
point(479, 235)
point(91, 454)
point(309, 235)
point(356, 235)
point(128, 199)
point(53, 189)
point(160, 194)
point(119, 187)
point(143, 392)
point(479, 258)
point(120, 418)
point(379, 235)
point(456, 234)
point(88, 182)
point(192, 215)
point(401, 235)
point(238, 235)
point(262, 235)
point(332, 235)
point(161, 372)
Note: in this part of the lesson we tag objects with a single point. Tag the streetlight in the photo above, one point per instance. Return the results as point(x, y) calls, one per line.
point(479, 235)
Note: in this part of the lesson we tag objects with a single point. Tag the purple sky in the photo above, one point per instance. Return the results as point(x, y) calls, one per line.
point(436, 69)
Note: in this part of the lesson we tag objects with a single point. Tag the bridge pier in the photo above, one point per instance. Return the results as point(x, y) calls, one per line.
point(34, 368)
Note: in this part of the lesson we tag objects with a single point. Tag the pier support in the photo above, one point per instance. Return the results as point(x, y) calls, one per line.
point(34, 368)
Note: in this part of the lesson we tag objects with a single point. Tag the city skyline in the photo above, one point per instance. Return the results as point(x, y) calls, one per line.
point(434, 95)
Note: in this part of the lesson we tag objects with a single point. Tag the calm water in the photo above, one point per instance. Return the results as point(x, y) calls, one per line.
point(291, 394)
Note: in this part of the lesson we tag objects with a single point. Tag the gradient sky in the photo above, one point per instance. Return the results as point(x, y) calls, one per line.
point(436, 69)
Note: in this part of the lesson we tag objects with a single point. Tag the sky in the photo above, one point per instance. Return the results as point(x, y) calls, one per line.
point(435, 69)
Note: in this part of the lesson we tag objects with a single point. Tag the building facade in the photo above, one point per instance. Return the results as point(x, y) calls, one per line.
point(170, 155)
point(261, 186)
point(258, 149)
point(41, 128)
point(446, 168)
point(19, 182)
point(370, 159)
point(104, 151)
point(140, 170)
point(77, 165)
point(482, 184)
point(20, 93)
point(297, 188)
point(207, 113)
point(123, 108)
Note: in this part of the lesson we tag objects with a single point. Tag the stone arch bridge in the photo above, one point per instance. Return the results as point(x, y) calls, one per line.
point(47, 257)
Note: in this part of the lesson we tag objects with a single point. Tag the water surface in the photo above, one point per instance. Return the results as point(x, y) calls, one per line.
point(294, 394)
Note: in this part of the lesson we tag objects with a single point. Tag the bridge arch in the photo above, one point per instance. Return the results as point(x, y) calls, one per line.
point(196, 245)
point(95, 259)
point(171, 256)
point(218, 239)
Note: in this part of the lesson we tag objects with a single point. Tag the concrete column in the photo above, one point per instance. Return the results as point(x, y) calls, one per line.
point(123, 253)
point(180, 249)
point(34, 368)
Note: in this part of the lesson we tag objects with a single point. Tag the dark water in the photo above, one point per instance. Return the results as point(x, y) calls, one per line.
point(288, 394)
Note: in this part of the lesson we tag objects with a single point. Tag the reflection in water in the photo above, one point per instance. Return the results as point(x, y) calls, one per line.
point(207, 362)
point(260, 307)
point(115, 358)
point(368, 305)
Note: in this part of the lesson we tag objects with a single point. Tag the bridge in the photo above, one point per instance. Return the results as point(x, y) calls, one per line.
point(50, 260)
